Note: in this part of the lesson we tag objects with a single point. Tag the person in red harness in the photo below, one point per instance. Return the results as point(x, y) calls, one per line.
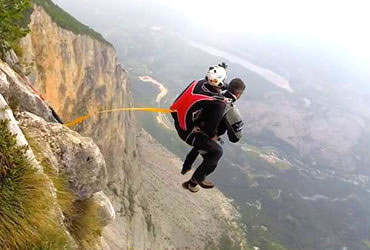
point(231, 122)
point(198, 111)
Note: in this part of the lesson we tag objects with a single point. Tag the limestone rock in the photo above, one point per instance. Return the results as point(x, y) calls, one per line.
point(7, 114)
point(169, 216)
point(11, 58)
point(13, 126)
point(76, 157)
point(77, 75)
point(106, 211)
point(17, 92)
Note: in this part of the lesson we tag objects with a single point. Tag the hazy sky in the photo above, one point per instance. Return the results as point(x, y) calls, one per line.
point(345, 23)
point(339, 23)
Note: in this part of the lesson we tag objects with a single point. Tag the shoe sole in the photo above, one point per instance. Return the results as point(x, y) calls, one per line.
point(206, 187)
point(202, 185)
point(185, 185)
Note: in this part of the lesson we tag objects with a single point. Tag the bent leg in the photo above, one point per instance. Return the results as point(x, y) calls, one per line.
point(191, 157)
point(210, 158)
point(189, 160)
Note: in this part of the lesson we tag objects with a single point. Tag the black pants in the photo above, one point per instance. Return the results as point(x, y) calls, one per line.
point(191, 157)
point(211, 152)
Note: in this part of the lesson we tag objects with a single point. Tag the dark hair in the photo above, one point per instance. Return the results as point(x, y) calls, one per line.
point(236, 86)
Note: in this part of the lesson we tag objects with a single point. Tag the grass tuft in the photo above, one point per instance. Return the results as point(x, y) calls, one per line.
point(81, 216)
point(27, 215)
point(65, 196)
point(84, 224)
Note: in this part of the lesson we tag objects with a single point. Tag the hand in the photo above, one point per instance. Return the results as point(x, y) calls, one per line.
point(215, 138)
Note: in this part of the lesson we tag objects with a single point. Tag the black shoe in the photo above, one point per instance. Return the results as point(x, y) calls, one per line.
point(189, 186)
point(185, 169)
point(206, 184)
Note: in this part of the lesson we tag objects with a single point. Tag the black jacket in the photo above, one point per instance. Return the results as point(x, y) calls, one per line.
point(224, 124)
point(206, 114)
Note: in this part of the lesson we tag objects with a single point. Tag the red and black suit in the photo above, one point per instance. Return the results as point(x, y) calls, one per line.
point(200, 106)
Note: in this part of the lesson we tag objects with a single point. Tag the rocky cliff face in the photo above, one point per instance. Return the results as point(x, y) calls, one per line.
point(58, 153)
point(77, 75)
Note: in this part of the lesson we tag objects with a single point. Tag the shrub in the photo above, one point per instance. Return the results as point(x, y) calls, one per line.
point(12, 28)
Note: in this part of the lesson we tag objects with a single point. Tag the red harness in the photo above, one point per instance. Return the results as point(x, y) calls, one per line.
point(187, 99)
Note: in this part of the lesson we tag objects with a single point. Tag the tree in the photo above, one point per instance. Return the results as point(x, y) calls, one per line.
point(11, 22)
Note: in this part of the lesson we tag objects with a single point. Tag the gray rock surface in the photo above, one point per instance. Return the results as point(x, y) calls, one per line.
point(11, 58)
point(106, 210)
point(7, 114)
point(13, 126)
point(76, 157)
point(170, 216)
point(19, 95)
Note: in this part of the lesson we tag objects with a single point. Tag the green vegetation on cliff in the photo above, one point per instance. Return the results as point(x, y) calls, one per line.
point(15, 16)
point(84, 224)
point(12, 28)
point(81, 216)
point(68, 22)
point(27, 215)
point(28, 218)
point(64, 194)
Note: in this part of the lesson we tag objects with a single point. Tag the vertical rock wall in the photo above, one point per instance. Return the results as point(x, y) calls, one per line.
point(78, 75)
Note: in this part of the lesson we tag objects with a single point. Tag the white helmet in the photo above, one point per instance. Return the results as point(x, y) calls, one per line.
point(216, 76)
